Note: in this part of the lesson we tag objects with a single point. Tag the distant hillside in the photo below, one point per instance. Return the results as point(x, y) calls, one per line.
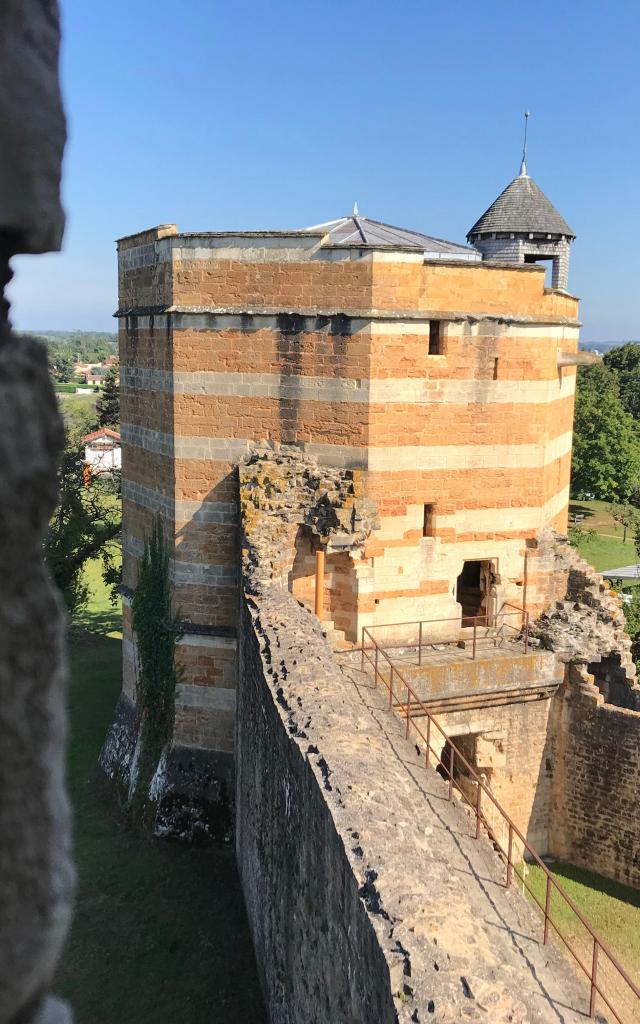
point(605, 346)
point(81, 346)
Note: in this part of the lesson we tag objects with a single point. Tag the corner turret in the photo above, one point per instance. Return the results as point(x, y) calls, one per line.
point(523, 226)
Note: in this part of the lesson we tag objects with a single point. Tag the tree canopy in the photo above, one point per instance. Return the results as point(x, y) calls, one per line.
point(606, 444)
point(108, 404)
point(77, 346)
point(625, 362)
point(85, 525)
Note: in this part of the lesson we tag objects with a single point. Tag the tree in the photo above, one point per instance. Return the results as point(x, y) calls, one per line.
point(625, 362)
point(108, 404)
point(85, 525)
point(63, 365)
point(606, 440)
point(628, 516)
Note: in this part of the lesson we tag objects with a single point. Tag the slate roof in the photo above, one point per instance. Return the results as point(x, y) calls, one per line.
point(522, 207)
point(360, 231)
point(103, 432)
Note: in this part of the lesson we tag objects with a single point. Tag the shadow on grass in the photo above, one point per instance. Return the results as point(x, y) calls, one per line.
point(598, 883)
point(584, 510)
point(160, 932)
point(98, 624)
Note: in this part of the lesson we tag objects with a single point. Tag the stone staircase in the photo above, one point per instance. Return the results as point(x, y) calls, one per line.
point(336, 637)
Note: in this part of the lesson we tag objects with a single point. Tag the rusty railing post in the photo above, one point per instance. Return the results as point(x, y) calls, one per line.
point(319, 595)
point(526, 632)
point(478, 808)
point(408, 713)
point(452, 755)
point(420, 643)
point(475, 628)
point(547, 906)
point(594, 979)
point(509, 857)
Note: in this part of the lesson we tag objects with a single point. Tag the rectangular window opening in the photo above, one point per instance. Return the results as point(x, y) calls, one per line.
point(429, 521)
point(435, 337)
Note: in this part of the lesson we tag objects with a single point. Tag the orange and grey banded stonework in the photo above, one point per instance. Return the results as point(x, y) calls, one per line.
point(446, 380)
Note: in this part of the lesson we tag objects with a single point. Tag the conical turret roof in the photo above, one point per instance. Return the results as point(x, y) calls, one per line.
point(522, 207)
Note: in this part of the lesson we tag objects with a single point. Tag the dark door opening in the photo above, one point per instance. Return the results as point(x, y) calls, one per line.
point(550, 270)
point(473, 591)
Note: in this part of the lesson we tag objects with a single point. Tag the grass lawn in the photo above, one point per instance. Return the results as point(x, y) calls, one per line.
point(606, 549)
point(612, 909)
point(160, 933)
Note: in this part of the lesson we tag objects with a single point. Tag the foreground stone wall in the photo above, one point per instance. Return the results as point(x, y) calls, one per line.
point(356, 911)
point(36, 873)
point(318, 951)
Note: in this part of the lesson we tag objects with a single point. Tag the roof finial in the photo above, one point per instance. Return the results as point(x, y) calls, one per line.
point(523, 165)
point(355, 210)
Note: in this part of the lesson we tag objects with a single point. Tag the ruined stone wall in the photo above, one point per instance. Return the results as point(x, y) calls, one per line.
point(596, 722)
point(595, 821)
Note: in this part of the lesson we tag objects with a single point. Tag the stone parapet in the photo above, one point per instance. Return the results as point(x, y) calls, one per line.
point(349, 863)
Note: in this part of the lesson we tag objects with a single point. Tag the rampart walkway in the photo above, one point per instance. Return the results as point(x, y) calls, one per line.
point(507, 934)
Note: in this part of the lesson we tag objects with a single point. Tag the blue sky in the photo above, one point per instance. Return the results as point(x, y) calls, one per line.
point(216, 114)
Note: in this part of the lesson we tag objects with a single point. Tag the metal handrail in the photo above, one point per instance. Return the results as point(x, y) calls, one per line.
point(412, 702)
point(465, 622)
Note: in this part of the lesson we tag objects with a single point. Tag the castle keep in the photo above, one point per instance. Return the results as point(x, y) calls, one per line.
point(444, 378)
point(355, 434)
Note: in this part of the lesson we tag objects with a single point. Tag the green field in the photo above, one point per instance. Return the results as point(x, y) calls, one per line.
point(612, 909)
point(160, 933)
point(602, 542)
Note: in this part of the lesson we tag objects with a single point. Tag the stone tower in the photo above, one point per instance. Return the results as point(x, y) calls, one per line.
point(445, 381)
point(523, 226)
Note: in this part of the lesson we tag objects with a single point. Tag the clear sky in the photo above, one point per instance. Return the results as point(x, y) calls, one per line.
point(218, 114)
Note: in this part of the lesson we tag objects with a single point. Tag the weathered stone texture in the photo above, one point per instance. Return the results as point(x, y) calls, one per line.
point(36, 875)
point(281, 489)
point(585, 623)
point(32, 125)
point(355, 908)
point(595, 821)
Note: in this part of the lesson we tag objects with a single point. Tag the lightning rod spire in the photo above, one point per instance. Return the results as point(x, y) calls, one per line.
point(523, 165)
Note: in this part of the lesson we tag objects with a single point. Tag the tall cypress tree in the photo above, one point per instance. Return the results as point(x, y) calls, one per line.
point(108, 404)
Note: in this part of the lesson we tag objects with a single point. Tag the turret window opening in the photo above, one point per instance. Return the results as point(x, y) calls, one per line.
point(550, 270)
point(436, 337)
